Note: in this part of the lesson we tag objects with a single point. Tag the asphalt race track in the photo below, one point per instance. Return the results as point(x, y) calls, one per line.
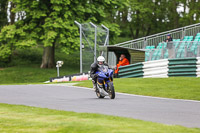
point(61, 97)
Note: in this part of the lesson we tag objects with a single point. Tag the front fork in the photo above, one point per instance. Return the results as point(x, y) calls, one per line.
point(104, 84)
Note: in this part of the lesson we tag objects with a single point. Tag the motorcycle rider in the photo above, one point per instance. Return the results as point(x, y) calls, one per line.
point(94, 68)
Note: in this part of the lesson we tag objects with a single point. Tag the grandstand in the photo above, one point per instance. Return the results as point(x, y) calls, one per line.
point(184, 49)
point(187, 47)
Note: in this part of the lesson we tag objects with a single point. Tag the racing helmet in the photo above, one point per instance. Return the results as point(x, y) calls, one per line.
point(100, 59)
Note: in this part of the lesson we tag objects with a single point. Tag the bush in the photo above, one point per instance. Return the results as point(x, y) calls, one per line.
point(23, 57)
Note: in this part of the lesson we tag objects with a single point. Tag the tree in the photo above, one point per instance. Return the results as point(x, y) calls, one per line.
point(4, 51)
point(50, 23)
point(3, 13)
point(6, 17)
point(191, 12)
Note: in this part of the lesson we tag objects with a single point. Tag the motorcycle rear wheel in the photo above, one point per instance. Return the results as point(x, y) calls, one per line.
point(111, 90)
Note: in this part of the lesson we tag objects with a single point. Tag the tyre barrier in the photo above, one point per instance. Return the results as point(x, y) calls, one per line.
point(133, 70)
point(184, 67)
point(157, 68)
point(74, 77)
point(198, 67)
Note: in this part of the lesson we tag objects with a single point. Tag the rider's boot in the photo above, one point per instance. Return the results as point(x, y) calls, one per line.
point(94, 85)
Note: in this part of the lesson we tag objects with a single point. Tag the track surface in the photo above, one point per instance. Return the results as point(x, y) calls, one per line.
point(60, 97)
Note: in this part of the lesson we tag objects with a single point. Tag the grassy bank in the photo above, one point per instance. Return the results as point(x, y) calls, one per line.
point(177, 87)
point(25, 67)
point(25, 119)
point(31, 74)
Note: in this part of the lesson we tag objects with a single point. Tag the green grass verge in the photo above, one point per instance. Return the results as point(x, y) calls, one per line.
point(175, 87)
point(23, 119)
point(31, 74)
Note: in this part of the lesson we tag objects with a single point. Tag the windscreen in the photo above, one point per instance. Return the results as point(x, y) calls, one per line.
point(103, 68)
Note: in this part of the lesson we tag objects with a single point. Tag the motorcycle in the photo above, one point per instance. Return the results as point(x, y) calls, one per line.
point(107, 88)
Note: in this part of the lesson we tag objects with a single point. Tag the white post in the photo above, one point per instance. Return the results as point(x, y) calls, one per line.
point(95, 41)
point(81, 68)
point(107, 37)
point(57, 71)
point(183, 33)
point(59, 64)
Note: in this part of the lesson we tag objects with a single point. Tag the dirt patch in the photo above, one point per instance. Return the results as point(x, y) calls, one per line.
point(1, 69)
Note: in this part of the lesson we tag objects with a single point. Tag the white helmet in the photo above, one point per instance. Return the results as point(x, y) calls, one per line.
point(101, 58)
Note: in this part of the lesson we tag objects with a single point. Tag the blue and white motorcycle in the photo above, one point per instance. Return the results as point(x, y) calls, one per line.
point(106, 88)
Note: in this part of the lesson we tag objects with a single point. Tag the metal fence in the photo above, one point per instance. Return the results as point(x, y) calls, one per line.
point(92, 37)
point(112, 60)
point(153, 40)
point(181, 49)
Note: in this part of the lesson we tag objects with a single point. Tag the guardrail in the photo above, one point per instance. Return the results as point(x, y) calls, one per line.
point(185, 67)
point(153, 40)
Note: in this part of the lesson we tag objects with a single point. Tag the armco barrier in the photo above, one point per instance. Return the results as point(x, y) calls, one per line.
point(74, 77)
point(186, 67)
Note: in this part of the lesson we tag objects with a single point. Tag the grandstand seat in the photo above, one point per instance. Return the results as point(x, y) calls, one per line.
point(193, 47)
point(159, 53)
point(195, 51)
point(185, 37)
point(179, 47)
point(190, 37)
point(164, 45)
point(166, 54)
point(180, 53)
point(155, 54)
point(197, 37)
point(147, 56)
point(160, 46)
point(176, 43)
point(178, 40)
point(147, 51)
point(148, 47)
point(152, 47)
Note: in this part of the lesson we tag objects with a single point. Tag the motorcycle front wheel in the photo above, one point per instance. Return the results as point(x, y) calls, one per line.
point(111, 90)
point(98, 94)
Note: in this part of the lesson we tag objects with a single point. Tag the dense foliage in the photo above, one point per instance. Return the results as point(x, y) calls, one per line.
point(50, 23)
